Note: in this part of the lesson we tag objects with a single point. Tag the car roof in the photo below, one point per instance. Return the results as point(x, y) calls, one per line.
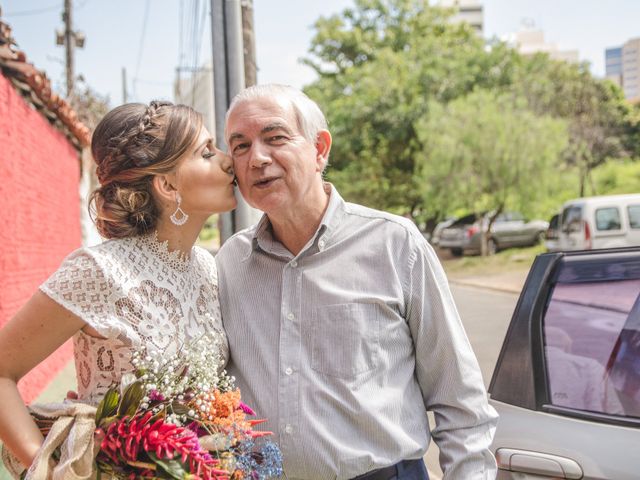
point(602, 199)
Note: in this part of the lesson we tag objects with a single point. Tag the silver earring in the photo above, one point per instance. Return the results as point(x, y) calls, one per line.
point(179, 217)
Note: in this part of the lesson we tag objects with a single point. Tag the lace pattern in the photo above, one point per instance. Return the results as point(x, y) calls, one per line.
point(134, 292)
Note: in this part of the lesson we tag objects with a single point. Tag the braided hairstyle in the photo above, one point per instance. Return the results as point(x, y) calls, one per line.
point(131, 144)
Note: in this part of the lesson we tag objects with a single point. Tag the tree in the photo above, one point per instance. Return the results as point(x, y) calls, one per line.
point(380, 64)
point(488, 152)
point(598, 116)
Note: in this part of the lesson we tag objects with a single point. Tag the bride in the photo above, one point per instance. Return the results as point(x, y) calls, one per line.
point(147, 286)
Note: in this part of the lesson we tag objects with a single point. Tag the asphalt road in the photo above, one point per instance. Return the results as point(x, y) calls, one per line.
point(485, 315)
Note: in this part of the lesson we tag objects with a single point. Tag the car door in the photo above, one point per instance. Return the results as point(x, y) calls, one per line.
point(567, 382)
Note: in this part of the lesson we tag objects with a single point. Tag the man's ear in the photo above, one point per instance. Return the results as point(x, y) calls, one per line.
point(164, 189)
point(323, 146)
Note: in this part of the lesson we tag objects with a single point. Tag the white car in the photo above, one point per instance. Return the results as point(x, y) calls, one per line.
point(607, 221)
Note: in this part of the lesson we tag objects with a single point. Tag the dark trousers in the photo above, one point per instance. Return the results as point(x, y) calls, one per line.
point(405, 470)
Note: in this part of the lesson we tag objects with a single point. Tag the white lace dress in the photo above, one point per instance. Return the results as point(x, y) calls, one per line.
point(135, 293)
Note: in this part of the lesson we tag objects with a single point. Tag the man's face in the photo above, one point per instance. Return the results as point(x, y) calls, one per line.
point(276, 167)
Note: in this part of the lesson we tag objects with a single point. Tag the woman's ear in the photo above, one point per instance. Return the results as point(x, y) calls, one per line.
point(164, 189)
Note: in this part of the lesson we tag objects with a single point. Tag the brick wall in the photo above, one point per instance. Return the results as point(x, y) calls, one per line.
point(40, 214)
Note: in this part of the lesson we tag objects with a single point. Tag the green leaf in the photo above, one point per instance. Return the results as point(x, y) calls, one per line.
point(131, 399)
point(168, 468)
point(108, 405)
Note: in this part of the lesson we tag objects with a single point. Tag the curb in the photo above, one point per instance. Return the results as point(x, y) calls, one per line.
point(486, 286)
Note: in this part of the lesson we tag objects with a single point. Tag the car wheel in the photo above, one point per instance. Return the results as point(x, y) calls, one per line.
point(456, 252)
point(492, 247)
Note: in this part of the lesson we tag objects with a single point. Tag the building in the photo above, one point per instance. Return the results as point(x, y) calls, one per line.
point(196, 90)
point(622, 66)
point(529, 41)
point(468, 11)
point(41, 145)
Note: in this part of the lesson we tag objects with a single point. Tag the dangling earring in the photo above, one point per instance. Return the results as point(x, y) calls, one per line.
point(179, 217)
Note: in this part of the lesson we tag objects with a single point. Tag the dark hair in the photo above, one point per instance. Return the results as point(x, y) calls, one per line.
point(131, 144)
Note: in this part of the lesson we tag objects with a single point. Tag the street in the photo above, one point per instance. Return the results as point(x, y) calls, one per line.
point(485, 315)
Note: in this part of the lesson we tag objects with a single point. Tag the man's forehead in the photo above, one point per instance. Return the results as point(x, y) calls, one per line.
point(260, 113)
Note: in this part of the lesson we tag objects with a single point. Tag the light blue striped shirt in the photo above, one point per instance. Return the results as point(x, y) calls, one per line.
point(345, 346)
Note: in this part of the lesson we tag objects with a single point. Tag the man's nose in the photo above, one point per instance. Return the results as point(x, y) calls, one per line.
point(260, 157)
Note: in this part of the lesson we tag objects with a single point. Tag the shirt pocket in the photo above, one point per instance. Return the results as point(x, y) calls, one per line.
point(345, 340)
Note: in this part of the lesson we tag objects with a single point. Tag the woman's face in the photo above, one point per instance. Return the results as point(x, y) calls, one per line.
point(204, 178)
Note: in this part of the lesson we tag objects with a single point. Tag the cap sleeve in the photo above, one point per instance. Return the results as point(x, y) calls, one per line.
point(83, 287)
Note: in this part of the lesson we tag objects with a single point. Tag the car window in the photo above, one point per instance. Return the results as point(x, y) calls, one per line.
point(608, 218)
point(634, 216)
point(572, 219)
point(592, 340)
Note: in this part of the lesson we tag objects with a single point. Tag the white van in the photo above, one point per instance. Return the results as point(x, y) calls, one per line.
point(607, 221)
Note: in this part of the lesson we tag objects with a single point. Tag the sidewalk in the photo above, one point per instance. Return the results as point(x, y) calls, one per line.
point(508, 282)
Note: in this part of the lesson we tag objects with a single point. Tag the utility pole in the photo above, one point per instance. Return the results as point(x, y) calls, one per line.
point(228, 80)
point(124, 85)
point(249, 42)
point(70, 40)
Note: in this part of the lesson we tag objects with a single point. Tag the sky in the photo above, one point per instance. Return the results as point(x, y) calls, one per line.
point(152, 38)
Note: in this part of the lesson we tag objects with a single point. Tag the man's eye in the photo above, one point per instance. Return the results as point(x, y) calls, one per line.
point(239, 147)
point(277, 138)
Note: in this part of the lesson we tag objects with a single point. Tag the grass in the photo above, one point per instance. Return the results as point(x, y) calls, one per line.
point(509, 260)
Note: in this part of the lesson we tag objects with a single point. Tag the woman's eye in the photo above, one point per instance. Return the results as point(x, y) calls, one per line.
point(207, 154)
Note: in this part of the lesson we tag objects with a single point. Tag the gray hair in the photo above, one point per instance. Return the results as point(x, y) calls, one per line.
point(308, 114)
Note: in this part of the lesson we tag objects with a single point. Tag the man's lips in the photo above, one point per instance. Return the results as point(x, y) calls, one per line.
point(265, 182)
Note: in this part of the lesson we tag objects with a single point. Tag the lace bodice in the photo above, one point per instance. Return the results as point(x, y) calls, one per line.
point(135, 293)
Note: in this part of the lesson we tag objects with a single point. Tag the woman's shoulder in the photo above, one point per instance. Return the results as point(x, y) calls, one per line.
point(204, 258)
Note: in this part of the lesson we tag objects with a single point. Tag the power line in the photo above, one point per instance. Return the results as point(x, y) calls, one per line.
point(38, 11)
point(141, 46)
point(34, 11)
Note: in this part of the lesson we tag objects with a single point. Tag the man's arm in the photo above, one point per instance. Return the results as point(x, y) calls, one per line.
point(448, 372)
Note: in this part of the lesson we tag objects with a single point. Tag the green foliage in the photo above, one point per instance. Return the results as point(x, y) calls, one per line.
point(427, 119)
point(482, 151)
point(617, 177)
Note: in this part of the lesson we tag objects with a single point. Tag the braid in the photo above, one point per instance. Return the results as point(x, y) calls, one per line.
point(119, 155)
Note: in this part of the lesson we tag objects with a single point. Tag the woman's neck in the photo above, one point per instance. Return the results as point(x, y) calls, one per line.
point(179, 237)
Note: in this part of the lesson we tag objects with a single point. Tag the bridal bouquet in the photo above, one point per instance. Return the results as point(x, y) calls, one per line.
point(178, 418)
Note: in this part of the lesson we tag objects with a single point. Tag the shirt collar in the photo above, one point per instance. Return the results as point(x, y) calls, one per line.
point(262, 238)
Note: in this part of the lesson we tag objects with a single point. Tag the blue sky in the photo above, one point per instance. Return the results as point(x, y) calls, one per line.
point(114, 30)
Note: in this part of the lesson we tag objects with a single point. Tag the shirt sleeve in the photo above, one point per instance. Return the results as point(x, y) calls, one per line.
point(82, 286)
point(448, 372)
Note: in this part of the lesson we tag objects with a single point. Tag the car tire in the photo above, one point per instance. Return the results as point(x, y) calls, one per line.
point(456, 252)
point(492, 247)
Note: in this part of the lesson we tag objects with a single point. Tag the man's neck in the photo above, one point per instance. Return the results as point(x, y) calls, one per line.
point(295, 229)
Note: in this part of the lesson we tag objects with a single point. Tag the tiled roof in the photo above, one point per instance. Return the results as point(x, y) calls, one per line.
point(35, 87)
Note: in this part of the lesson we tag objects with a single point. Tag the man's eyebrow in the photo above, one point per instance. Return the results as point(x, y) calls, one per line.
point(235, 136)
point(276, 126)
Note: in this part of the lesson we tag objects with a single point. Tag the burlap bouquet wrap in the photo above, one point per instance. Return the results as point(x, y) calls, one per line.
point(72, 430)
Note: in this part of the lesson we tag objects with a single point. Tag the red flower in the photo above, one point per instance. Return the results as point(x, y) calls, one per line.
point(125, 437)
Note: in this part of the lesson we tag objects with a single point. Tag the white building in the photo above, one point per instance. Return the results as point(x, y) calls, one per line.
point(195, 88)
point(529, 41)
point(623, 67)
point(468, 11)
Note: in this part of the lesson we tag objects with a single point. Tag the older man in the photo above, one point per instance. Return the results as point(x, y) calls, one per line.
point(341, 326)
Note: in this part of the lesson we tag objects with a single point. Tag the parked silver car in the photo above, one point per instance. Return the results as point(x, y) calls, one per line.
point(567, 381)
point(510, 229)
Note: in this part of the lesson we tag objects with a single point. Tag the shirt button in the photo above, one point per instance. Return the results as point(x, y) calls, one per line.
point(321, 243)
point(290, 316)
point(289, 371)
point(294, 264)
point(288, 429)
